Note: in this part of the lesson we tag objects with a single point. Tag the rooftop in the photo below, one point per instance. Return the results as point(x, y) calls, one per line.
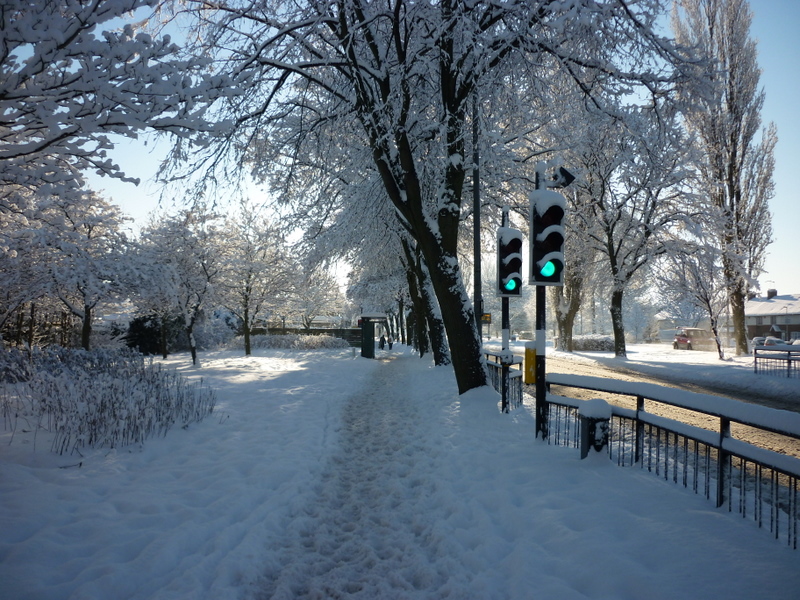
point(788, 304)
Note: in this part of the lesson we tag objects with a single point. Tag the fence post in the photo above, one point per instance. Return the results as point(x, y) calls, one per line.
point(595, 415)
point(723, 460)
point(639, 440)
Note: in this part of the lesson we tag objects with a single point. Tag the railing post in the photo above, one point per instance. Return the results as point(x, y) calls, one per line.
point(723, 461)
point(755, 361)
point(639, 440)
point(595, 416)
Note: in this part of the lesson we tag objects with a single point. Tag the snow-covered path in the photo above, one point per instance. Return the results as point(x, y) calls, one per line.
point(369, 530)
point(327, 476)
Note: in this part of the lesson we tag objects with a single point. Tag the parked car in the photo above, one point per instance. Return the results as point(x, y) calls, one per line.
point(692, 338)
point(757, 341)
point(773, 341)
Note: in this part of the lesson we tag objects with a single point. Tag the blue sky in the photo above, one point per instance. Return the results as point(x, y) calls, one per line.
point(776, 27)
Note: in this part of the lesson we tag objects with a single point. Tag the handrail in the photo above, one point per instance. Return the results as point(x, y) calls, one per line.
point(778, 421)
point(766, 357)
point(756, 482)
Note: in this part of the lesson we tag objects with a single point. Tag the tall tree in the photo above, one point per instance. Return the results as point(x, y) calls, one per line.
point(735, 166)
point(83, 247)
point(405, 74)
point(632, 174)
point(256, 276)
point(188, 247)
point(693, 276)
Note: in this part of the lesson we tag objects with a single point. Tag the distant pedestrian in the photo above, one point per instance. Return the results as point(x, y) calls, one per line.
point(391, 341)
point(382, 342)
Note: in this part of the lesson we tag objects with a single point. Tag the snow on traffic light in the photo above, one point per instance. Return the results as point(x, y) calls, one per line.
point(547, 237)
point(509, 261)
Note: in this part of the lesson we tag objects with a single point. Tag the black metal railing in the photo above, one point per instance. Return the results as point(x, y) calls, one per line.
point(758, 483)
point(770, 360)
point(513, 384)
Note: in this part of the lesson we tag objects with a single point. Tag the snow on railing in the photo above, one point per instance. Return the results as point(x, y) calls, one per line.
point(783, 361)
point(758, 483)
point(495, 362)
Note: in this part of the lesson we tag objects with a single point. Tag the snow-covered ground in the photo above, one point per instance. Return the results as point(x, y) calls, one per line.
point(694, 367)
point(324, 475)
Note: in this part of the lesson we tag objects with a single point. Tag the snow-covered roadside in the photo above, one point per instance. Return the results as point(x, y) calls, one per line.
point(187, 516)
point(330, 476)
point(700, 367)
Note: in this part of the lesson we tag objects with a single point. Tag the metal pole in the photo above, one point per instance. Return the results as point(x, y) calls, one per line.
point(504, 359)
point(541, 341)
point(541, 386)
point(506, 325)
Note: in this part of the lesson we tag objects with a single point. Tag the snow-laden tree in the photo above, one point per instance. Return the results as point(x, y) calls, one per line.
point(315, 293)
point(71, 73)
point(396, 79)
point(694, 276)
point(22, 278)
point(736, 156)
point(257, 275)
point(584, 263)
point(187, 247)
point(632, 176)
point(80, 244)
point(153, 292)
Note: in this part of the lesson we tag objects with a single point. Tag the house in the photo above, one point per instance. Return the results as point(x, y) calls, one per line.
point(778, 316)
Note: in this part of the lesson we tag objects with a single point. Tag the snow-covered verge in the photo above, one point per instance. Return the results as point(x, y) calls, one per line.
point(321, 475)
point(689, 366)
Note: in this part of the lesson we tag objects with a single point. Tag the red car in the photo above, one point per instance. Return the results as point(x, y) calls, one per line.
point(692, 338)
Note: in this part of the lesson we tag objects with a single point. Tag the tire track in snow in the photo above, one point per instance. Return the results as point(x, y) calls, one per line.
point(370, 530)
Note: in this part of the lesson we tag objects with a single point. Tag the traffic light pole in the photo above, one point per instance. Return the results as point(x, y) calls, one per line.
point(541, 343)
point(541, 346)
point(504, 361)
point(548, 209)
point(506, 327)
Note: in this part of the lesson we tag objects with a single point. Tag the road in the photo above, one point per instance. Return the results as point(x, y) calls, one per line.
point(763, 439)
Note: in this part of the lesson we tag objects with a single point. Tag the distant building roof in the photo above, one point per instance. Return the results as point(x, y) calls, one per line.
point(788, 304)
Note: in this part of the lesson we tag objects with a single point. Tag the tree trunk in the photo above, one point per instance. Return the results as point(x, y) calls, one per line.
point(737, 301)
point(567, 304)
point(192, 345)
point(458, 317)
point(86, 327)
point(32, 325)
point(617, 324)
point(418, 332)
point(190, 332)
point(715, 331)
point(401, 321)
point(163, 336)
point(433, 317)
point(20, 323)
point(246, 328)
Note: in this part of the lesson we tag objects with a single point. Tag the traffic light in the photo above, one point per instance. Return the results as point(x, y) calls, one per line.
point(547, 237)
point(509, 261)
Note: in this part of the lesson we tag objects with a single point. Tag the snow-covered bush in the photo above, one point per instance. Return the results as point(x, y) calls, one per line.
point(102, 398)
point(214, 333)
point(290, 341)
point(593, 343)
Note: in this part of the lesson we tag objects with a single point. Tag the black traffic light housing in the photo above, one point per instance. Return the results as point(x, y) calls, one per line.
point(509, 262)
point(547, 238)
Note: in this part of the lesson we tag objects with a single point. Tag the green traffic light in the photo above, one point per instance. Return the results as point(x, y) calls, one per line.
point(511, 285)
point(549, 269)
